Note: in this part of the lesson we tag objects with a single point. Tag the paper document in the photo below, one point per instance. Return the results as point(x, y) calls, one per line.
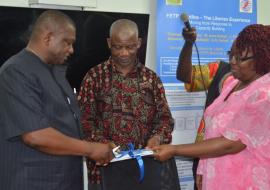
point(123, 155)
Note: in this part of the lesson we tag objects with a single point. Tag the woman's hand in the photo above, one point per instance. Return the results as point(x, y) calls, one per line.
point(164, 152)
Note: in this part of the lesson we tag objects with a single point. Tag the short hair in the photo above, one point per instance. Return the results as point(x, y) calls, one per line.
point(124, 25)
point(255, 37)
point(52, 20)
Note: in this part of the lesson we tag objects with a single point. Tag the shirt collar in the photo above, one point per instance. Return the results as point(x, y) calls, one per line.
point(137, 67)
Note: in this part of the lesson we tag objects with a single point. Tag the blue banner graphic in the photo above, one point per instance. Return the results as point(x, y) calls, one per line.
point(217, 24)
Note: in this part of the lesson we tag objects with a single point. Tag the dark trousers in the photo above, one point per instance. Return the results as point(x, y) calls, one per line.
point(194, 169)
point(125, 175)
point(94, 186)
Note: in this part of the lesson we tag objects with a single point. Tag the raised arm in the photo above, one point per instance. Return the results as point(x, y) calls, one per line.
point(184, 68)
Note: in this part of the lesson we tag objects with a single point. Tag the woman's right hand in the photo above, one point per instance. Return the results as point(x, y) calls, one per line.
point(164, 152)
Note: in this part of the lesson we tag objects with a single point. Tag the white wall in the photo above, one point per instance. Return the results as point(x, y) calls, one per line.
point(263, 14)
point(14, 3)
point(147, 7)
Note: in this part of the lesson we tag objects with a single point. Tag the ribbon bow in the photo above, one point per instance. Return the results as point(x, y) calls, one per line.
point(138, 158)
point(132, 154)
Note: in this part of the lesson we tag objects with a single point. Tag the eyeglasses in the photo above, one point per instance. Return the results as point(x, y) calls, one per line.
point(229, 54)
point(242, 59)
point(238, 59)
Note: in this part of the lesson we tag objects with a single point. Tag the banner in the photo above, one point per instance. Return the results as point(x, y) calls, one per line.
point(217, 24)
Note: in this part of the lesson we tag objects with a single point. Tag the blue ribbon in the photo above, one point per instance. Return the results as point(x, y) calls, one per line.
point(139, 160)
point(134, 154)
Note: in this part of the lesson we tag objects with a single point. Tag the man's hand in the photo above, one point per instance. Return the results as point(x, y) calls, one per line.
point(184, 67)
point(153, 141)
point(164, 152)
point(101, 153)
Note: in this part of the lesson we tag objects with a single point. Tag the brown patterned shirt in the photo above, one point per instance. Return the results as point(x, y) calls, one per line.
point(123, 109)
